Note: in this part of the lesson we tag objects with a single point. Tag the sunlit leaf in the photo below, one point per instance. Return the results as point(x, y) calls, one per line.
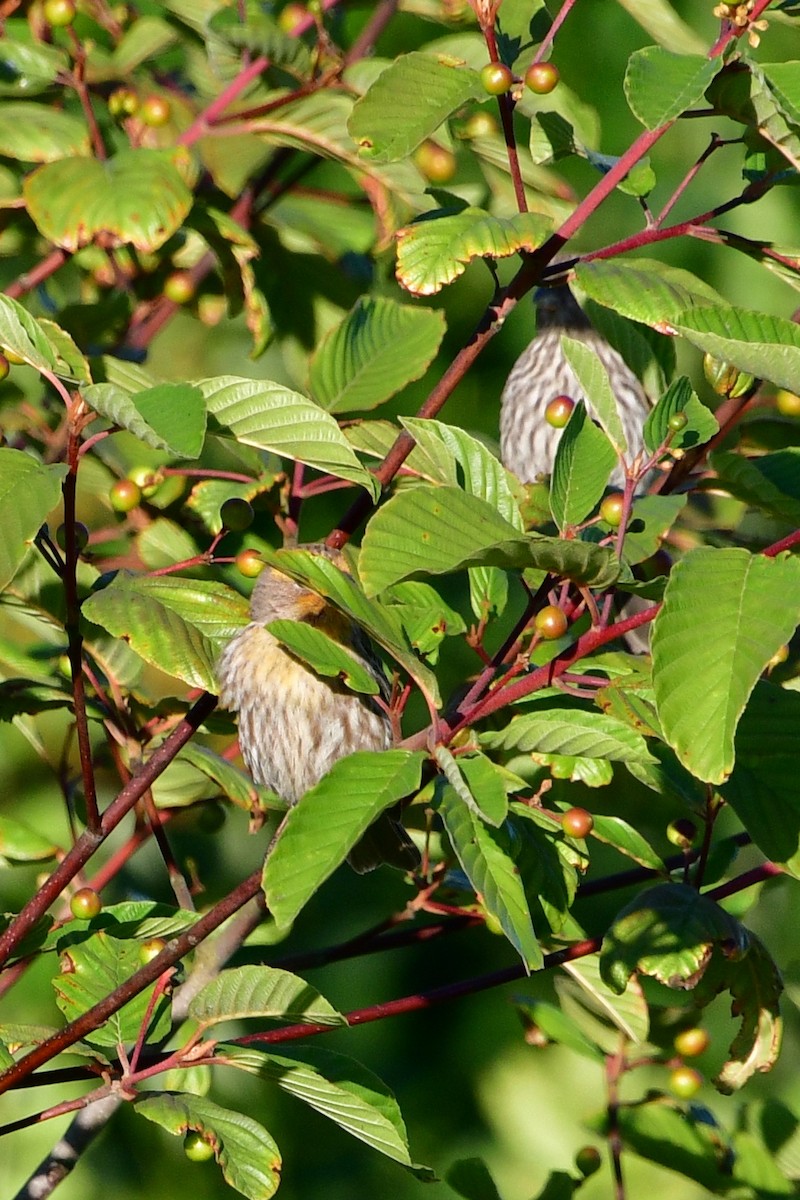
point(28, 492)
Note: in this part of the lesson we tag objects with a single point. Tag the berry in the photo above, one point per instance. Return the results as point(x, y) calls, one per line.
point(677, 422)
point(541, 78)
point(147, 479)
point(588, 1160)
point(5, 367)
point(196, 1148)
point(150, 949)
point(249, 563)
point(437, 163)
point(691, 1042)
point(155, 111)
point(559, 411)
point(290, 16)
point(612, 508)
point(577, 822)
point(59, 13)
point(685, 1082)
point(15, 359)
point(787, 403)
point(236, 514)
point(179, 287)
point(123, 102)
point(85, 904)
point(551, 622)
point(496, 78)
point(480, 124)
point(682, 833)
point(81, 536)
point(125, 495)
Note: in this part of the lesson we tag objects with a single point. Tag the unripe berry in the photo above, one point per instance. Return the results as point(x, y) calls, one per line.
point(588, 1160)
point(685, 1082)
point(551, 622)
point(155, 111)
point(123, 102)
point(5, 367)
point(147, 479)
point(496, 78)
point(81, 536)
point(559, 411)
point(677, 421)
point(236, 514)
point(85, 904)
point(59, 13)
point(787, 403)
point(542, 77)
point(291, 16)
point(249, 563)
point(480, 125)
point(612, 509)
point(179, 287)
point(691, 1042)
point(682, 833)
point(437, 163)
point(196, 1148)
point(125, 495)
point(577, 822)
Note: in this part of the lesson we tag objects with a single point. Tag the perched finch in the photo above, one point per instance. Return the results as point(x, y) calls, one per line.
point(527, 442)
point(294, 724)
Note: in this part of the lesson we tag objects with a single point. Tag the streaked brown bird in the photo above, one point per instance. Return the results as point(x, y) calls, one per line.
point(294, 724)
point(527, 442)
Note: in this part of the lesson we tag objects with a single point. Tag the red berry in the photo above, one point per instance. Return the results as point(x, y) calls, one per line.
point(59, 13)
point(196, 1148)
point(612, 508)
point(559, 411)
point(437, 163)
point(155, 111)
point(541, 77)
point(685, 1082)
point(551, 622)
point(85, 904)
point(691, 1042)
point(577, 822)
point(496, 78)
point(179, 287)
point(249, 563)
point(125, 495)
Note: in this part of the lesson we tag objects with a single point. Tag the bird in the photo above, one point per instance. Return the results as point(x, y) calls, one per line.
point(527, 442)
point(294, 724)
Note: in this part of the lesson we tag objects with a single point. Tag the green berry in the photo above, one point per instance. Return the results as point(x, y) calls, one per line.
point(81, 536)
point(691, 1042)
point(496, 78)
point(59, 13)
point(577, 822)
point(541, 78)
point(123, 102)
point(551, 622)
point(437, 163)
point(677, 422)
point(787, 403)
point(291, 16)
point(612, 509)
point(559, 411)
point(5, 367)
point(147, 479)
point(685, 1082)
point(480, 125)
point(125, 495)
point(249, 563)
point(85, 904)
point(588, 1160)
point(682, 833)
point(155, 111)
point(179, 287)
point(236, 514)
point(150, 949)
point(196, 1148)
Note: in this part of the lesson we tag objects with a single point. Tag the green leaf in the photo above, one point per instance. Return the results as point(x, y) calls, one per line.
point(596, 387)
point(138, 196)
point(749, 479)
point(570, 732)
point(25, 336)
point(755, 986)
point(324, 654)
point(700, 427)
point(425, 617)
point(259, 991)
point(493, 875)
point(584, 461)
point(337, 1087)
point(40, 133)
point(668, 931)
point(470, 1178)
point(679, 1140)
point(407, 102)
point(29, 68)
point(742, 91)
point(248, 1157)
point(762, 790)
point(378, 349)
point(556, 1026)
point(764, 346)
point(321, 829)
point(144, 38)
point(628, 841)
point(644, 289)
point(602, 1013)
point(660, 85)
point(435, 250)
point(466, 462)
point(28, 492)
point(177, 625)
point(92, 969)
point(261, 35)
point(478, 783)
point(19, 843)
point(272, 417)
point(169, 416)
point(659, 19)
point(706, 661)
point(233, 783)
point(69, 362)
point(380, 622)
